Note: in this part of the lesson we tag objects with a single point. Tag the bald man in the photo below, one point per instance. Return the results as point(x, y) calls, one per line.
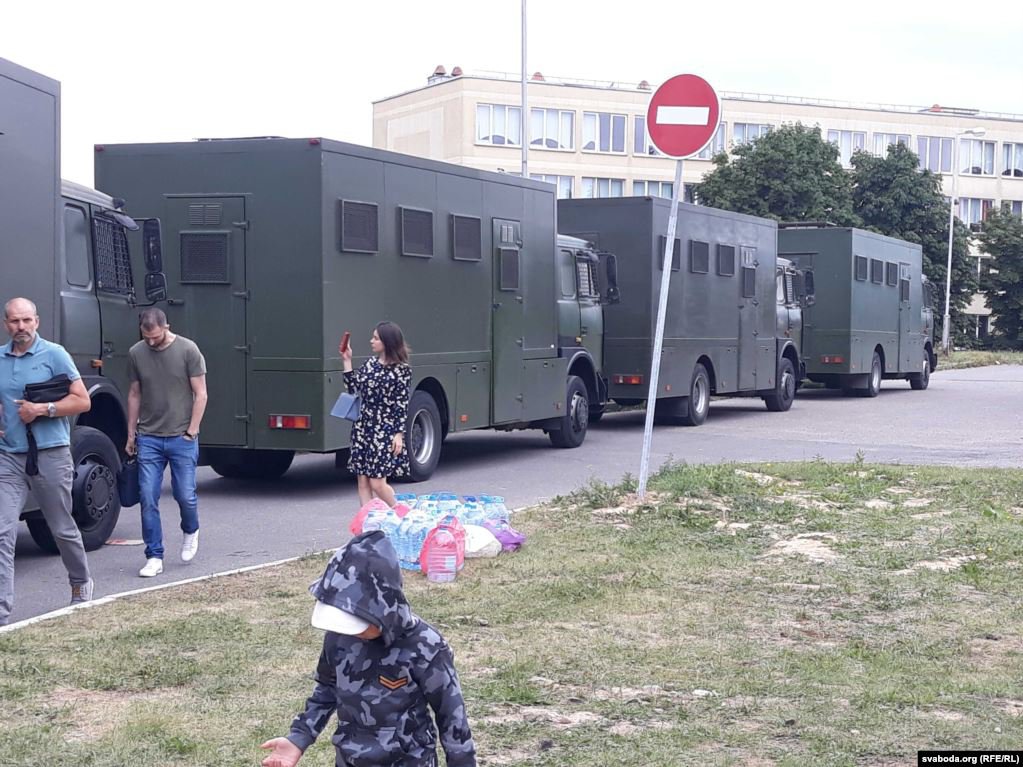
point(28, 359)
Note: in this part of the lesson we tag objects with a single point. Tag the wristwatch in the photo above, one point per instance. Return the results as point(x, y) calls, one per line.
point(51, 410)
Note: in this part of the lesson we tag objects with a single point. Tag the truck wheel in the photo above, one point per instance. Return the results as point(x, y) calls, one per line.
point(577, 415)
point(873, 387)
point(251, 464)
point(784, 393)
point(699, 397)
point(920, 381)
point(95, 503)
point(423, 436)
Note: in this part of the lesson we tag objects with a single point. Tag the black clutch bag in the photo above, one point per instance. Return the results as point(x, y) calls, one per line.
point(54, 390)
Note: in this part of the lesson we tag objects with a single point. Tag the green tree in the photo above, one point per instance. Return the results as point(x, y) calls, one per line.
point(1002, 284)
point(892, 196)
point(789, 174)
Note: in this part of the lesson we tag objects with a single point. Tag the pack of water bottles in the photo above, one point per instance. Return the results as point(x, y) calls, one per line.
point(425, 511)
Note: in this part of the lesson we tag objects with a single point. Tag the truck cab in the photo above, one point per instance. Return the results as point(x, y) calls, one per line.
point(586, 282)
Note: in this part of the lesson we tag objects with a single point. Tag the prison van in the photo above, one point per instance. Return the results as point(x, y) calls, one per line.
point(274, 247)
point(871, 318)
point(725, 331)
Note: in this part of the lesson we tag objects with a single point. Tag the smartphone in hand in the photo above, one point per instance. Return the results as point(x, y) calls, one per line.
point(344, 341)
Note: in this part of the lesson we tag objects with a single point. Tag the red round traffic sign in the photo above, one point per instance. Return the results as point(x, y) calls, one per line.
point(682, 116)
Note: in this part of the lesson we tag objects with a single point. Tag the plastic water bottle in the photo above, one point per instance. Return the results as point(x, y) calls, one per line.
point(375, 520)
point(494, 508)
point(411, 534)
point(471, 511)
point(442, 558)
point(409, 499)
point(447, 503)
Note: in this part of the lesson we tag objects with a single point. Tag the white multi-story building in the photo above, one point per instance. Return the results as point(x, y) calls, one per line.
point(589, 138)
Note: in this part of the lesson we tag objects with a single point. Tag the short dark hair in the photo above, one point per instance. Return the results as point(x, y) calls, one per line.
point(395, 348)
point(152, 318)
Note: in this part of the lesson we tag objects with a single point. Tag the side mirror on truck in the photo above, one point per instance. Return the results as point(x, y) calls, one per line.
point(611, 292)
point(809, 299)
point(152, 254)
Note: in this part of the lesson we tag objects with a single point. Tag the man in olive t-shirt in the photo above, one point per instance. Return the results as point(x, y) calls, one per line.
point(166, 403)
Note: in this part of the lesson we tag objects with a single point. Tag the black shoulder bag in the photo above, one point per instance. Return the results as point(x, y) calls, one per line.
point(54, 390)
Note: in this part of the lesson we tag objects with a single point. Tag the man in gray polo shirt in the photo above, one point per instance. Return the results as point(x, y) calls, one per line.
point(166, 402)
point(31, 359)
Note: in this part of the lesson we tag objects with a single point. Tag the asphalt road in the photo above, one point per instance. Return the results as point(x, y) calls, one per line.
point(966, 418)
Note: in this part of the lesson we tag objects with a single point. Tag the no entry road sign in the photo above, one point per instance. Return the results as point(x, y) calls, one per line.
point(682, 116)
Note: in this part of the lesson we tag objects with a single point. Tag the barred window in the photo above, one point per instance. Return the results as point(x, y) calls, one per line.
point(113, 264)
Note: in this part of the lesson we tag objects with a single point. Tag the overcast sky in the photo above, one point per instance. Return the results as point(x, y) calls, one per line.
point(175, 71)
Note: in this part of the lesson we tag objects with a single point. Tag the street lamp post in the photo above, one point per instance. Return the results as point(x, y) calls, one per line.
point(946, 345)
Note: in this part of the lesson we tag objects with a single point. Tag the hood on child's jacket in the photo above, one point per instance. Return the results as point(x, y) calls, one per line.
point(363, 578)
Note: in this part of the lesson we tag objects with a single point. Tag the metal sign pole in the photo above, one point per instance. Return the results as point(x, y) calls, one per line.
point(662, 309)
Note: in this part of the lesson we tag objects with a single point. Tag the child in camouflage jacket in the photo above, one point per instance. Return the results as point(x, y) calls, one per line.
point(380, 669)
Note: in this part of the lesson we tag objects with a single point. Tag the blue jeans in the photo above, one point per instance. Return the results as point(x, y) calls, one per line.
point(154, 453)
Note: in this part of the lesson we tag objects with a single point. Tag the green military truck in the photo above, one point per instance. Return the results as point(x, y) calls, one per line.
point(275, 246)
point(728, 330)
point(66, 247)
point(871, 318)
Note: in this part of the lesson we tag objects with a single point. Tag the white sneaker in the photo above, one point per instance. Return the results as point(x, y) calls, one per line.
point(189, 546)
point(152, 567)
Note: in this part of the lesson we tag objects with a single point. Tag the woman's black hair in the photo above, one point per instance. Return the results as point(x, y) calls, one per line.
point(395, 348)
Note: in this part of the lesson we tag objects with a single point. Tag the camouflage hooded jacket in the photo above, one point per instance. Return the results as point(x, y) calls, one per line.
point(381, 688)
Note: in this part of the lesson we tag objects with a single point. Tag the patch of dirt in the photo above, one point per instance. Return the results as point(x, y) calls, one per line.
point(916, 503)
point(948, 564)
point(878, 503)
point(991, 650)
point(557, 719)
point(732, 527)
point(813, 546)
point(802, 501)
point(95, 713)
point(931, 514)
point(1010, 707)
point(516, 756)
point(627, 729)
point(761, 479)
point(945, 715)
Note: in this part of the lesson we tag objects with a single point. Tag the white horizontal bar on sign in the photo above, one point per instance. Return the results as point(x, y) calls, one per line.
point(683, 115)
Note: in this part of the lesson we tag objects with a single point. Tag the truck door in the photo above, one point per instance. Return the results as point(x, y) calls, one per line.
point(79, 318)
point(508, 321)
point(591, 313)
point(749, 320)
point(207, 298)
point(909, 356)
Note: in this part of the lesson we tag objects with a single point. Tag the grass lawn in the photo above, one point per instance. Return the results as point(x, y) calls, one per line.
point(777, 614)
point(973, 359)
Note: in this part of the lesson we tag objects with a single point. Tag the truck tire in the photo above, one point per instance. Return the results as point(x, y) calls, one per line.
point(251, 464)
point(920, 381)
point(699, 397)
point(577, 416)
point(95, 503)
point(873, 387)
point(784, 393)
point(423, 436)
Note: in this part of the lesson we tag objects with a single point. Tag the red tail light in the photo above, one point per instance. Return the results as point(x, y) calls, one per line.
point(832, 359)
point(290, 422)
point(635, 380)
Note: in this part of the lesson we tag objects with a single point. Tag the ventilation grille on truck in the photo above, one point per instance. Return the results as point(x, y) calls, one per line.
point(205, 215)
point(204, 258)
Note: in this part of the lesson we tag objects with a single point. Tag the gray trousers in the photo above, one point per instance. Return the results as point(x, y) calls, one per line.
point(52, 488)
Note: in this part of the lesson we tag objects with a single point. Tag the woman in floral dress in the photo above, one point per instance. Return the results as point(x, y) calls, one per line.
point(378, 437)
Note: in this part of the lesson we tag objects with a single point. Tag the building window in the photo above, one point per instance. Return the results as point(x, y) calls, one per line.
point(726, 260)
point(416, 232)
point(892, 274)
point(699, 257)
point(884, 140)
point(359, 227)
point(603, 132)
point(552, 129)
point(973, 210)
point(563, 183)
point(935, 153)
point(1012, 160)
point(603, 187)
point(716, 145)
point(847, 141)
point(653, 189)
point(689, 194)
point(466, 238)
point(676, 253)
point(641, 143)
point(976, 157)
point(1013, 207)
point(498, 125)
point(743, 133)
